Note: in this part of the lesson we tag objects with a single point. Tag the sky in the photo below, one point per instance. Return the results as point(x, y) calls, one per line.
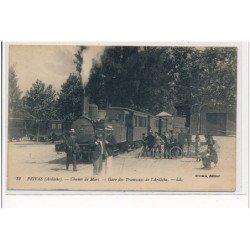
point(51, 64)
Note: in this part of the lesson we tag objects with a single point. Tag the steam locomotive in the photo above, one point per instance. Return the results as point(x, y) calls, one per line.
point(128, 128)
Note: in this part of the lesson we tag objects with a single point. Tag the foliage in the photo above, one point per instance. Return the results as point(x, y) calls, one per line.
point(40, 101)
point(70, 101)
point(15, 103)
point(154, 79)
point(214, 78)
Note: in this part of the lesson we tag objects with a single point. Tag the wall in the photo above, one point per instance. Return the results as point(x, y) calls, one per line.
point(230, 120)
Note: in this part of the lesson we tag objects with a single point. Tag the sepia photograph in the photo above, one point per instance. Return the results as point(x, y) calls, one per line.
point(121, 118)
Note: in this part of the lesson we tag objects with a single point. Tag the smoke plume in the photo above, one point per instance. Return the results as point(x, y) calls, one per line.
point(91, 55)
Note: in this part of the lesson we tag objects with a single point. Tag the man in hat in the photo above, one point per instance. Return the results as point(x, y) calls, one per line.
point(98, 150)
point(71, 149)
point(110, 143)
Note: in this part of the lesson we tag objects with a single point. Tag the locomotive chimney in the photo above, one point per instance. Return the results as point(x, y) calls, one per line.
point(85, 104)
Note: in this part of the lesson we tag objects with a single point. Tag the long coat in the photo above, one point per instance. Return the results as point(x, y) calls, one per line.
point(96, 150)
point(71, 145)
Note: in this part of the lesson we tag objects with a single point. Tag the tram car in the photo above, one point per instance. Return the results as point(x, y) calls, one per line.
point(17, 129)
point(34, 130)
point(128, 128)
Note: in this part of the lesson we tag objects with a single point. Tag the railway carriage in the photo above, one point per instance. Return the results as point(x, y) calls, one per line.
point(128, 124)
point(21, 127)
point(17, 128)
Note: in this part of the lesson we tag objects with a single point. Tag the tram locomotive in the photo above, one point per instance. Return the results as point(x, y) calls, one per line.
point(128, 128)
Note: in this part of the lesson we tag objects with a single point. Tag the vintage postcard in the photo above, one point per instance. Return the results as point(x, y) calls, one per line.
point(121, 117)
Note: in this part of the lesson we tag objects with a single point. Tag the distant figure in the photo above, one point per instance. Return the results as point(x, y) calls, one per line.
point(71, 149)
point(150, 140)
point(98, 151)
point(210, 140)
point(166, 139)
point(189, 140)
point(172, 137)
point(181, 139)
point(158, 144)
point(213, 154)
point(197, 147)
point(210, 157)
point(144, 146)
point(53, 136)
point(110, 144)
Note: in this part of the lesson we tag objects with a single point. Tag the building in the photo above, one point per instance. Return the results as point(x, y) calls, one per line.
point(213, 120)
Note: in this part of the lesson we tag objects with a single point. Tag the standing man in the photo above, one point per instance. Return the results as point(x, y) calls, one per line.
point(110, 144)
point(71, 149)
point(158, 144)
point(181, 139)
point(166, 139)
point(98, 152)
point(150, 140)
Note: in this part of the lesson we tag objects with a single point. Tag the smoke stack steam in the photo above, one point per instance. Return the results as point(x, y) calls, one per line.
point(91, 56)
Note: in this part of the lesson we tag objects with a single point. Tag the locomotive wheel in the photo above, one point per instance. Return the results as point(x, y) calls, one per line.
point(176, 152)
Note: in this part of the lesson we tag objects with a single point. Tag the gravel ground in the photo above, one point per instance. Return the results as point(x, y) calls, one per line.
point(36, 166)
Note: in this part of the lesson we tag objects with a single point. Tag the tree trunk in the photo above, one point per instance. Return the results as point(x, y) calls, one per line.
point(199, 121)
point(38, 132)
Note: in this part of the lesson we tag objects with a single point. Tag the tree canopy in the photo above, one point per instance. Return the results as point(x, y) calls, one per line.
point(40, 101)
point(15, 103)
point(70, 101)
point(146, 78)
point(154, 79)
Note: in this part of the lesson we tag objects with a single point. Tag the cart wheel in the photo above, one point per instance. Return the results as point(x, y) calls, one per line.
point(176, 152)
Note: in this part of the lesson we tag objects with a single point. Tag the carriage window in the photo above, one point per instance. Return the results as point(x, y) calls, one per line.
point(135, 121)
point(142, 122)
point(53, 126)
point(59, 126)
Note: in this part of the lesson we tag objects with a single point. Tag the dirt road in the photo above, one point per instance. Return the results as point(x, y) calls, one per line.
point(37, 166)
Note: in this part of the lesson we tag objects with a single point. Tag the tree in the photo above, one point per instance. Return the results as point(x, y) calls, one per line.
point(154, 79)
point(15, 103)
point(132, 77)
point(40, 103)
point(214, 80)
point(70, 101)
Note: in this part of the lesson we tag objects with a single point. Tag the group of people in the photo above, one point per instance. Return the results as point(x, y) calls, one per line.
point(154, 144)
point(102, 148)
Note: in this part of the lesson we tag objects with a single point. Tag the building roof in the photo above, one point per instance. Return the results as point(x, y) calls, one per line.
point(163, 114)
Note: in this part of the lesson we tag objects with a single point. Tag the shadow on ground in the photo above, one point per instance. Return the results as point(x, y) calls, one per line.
point(60, 161)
